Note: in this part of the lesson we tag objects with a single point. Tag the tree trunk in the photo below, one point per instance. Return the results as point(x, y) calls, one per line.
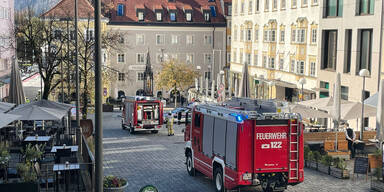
point(46, 90)
point(175, 96)
point(85, 96)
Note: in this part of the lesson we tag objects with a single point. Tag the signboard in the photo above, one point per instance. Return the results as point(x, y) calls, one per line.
point(361, 165)
point(136, 67)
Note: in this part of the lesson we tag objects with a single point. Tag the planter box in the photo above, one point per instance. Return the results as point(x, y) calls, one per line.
point(30, 187)
point(377, 185)
point(374, 161)
point(107, 108)
point(116, 189)
point(339, 173)
point(323, 168)
point(312, 165)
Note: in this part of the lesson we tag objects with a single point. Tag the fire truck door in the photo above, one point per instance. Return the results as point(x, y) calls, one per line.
point(197, 125)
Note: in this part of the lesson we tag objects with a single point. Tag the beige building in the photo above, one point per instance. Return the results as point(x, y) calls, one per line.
point(350, 35)
point(279, 41)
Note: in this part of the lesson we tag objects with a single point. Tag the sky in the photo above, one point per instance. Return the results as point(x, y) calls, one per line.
point(40, 6)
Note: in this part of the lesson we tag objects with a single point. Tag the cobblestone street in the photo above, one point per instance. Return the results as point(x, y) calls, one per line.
point(157, 159)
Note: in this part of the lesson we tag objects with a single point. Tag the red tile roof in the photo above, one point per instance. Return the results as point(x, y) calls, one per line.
point(180, 6)
point(66, 8)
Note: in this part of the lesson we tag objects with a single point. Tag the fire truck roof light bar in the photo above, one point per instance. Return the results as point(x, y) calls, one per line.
point(140, 98)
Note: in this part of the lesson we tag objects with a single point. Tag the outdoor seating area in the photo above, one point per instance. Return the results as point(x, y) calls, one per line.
point(38, 149)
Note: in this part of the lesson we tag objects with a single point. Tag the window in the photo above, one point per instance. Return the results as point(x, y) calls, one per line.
point(256, 60)
point(265, 36)
point(58, 34)
point(324, 85)
point(248, 58)
point(292, 68)
point(272, 63)
point(330, 49)
point(159, 16)
point(300, 36)
point(305, 3)
point(334, 8)
point(207, 75)
point(89, 34)
point(283, 4)
point(235, 4)
point(348, 51)
point(282, 36)
point(173, 56)
point(190, 40)
point(293, 38)
point(188, 16)
point(120, 58)
point(208, 59)
point(266, 7)
point(208, 39)
point(256, 34)
point(294, 3)
point(197, 120)
point(250, 7)
point(140, 58)
point(257, 5)
point(241, 56)
point(229, 10)
point(314, 36)
point(120, 10)
point(272, 37)
point(241, 34)
point(172, 16)
point(274, 4)
point(242, 7)
point(314, 2)
point(249, 35)
point(264, 61)
point(121, 40)
point(160, 57)
point(140, 15)
point(281, 64)
point(140, 76)
point(312, 71)
point(121, 76)
point(140, 39)
point(207, 16)
point(174, 39)
point(344, 92)
point(300, 67)
point(365, 48)
point(6, 13)
point(160, 39)
point(366, 7)
point(228, 57)
point(189, 58)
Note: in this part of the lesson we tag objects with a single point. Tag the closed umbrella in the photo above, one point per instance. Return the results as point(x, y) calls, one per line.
point(244, 90)
point(16, 92)
point(380, 113)
point(6, 119)
point(4, 107)
point(336, 103)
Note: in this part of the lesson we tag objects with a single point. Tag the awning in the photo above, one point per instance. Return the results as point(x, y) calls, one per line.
point(284, 84)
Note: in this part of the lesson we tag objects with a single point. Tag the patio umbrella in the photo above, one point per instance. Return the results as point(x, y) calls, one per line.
point(307, 112)
point(244, 90)
point(6, 119)
point(322, 102)
point(372, 100)
point(380, 113)
point(353, 110)
point(336, 103)
point(16, 92)
point(48, 104)
point(4, 107)
point(35, 113)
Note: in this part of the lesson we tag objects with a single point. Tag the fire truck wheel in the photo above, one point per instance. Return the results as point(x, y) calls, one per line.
point(218, 179)
point(122, 125)
point(154, 131)
point(132, 130)
point(190, 169)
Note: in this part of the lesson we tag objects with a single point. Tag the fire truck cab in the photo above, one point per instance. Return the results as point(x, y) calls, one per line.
point(245, 142)
point(142, 114)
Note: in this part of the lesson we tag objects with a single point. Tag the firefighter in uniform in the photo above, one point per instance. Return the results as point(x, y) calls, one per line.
point(170, 126)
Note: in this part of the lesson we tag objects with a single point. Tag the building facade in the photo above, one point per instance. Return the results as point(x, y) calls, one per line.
point(190, 32)
point(7, 50)
point(278, 39)
point(351, 40)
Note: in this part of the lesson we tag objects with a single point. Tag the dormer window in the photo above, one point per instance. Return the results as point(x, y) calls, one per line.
point(188, 16)
point(140, 15)
point(120, 10)
point(172, 16)
point(207, 16)
point(159, 16)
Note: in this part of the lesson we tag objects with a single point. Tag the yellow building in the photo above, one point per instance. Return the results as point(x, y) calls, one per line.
point(279, 41)
point(63, 15)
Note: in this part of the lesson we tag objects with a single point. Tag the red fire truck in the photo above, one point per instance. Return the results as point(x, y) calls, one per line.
point(142, 114)
point(245, 142)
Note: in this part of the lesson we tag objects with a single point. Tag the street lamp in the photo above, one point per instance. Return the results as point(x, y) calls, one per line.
point(302, 81)
point(363, 73)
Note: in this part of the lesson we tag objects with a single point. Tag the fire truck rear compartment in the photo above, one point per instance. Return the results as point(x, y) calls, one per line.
point(148, 115)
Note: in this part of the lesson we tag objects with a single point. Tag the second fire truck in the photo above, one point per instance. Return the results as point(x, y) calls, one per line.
point(245, 142)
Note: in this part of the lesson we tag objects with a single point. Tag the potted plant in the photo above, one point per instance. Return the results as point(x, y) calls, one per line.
point(311, 161)
point(114, 184)
point(33, 152)
point(377, 184)
point(325, 163)
point(339, 169)
point(375, 159)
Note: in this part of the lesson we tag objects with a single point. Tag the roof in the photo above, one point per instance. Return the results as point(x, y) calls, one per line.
point(130, 11)
point(66, 8)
